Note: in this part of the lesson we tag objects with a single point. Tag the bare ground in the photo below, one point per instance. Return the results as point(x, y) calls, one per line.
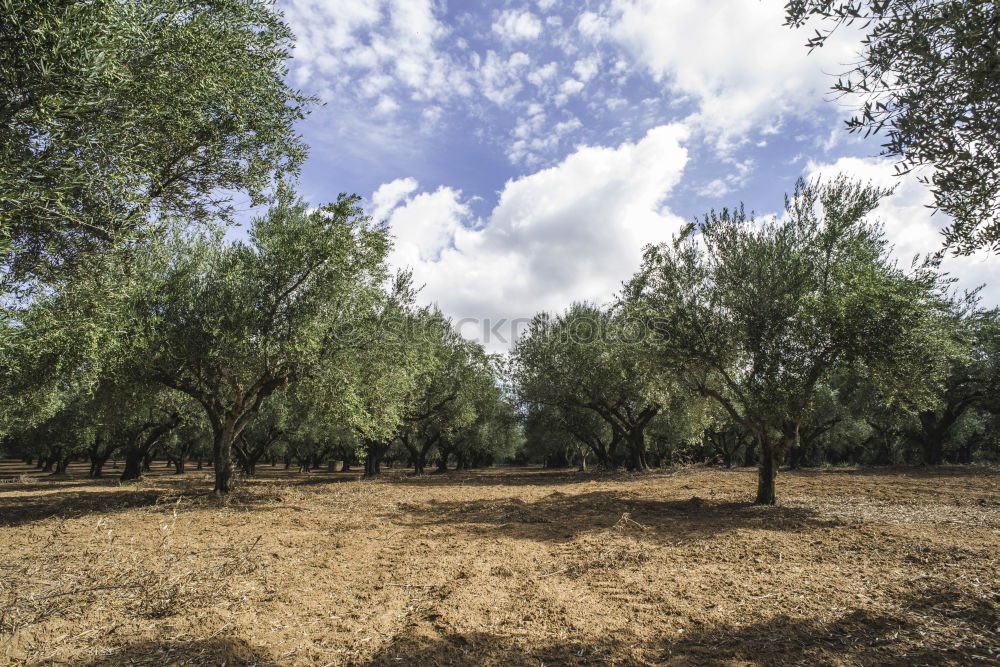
point(509, 566)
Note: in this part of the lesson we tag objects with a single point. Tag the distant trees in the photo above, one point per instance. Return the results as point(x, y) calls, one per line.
point(927, 76)
point(456, 406)
point(593, 360)
point(973, 380)
point(439, 405)
point(560, 436)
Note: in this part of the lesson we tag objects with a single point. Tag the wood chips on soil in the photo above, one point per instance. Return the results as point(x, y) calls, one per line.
point(502, 567)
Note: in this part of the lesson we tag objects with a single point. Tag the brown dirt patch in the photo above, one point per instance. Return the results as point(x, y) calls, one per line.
point(510, 566)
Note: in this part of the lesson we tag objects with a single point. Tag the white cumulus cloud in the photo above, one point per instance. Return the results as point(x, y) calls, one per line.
point(571, 232)
point(515, 25)
point(745, 69)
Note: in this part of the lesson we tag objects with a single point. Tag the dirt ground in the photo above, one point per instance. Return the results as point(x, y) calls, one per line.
point(505, 566)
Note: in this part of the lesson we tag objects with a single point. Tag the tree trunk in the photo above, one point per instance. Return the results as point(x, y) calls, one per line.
point(933, 448)
point(750, 453)
point(179, 465)
point(767, 473)
point(97, 466)
point(133, 465)
point(223, 459)
point(772, 454)
point(637, 449)
point(373, 465)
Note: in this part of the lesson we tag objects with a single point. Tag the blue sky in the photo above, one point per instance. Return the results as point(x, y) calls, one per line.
point(523, 152)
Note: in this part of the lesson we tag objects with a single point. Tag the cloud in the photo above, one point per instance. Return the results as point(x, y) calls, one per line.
point(389, 195)
point(735, 58)
point(425, 225)
point(516, 25)
point(544, 74)
point(386, 105)
point(375, 45)
point(911, 227)
point(571, 232)
point(716, 188)
point(592, 25)
point(586, 68)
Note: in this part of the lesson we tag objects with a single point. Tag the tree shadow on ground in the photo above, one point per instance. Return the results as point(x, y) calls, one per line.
point(181, 494)
point(215, 651)
point(940, 626)
point(911, 472)
point(320, 479)
point(19, 510)
point(560, 517)
point(56, 483)
point(530, 476)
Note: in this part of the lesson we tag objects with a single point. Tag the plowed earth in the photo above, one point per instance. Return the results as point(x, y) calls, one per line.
point(503, 566)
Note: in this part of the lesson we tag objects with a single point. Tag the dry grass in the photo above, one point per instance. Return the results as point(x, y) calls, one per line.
point(502, 567)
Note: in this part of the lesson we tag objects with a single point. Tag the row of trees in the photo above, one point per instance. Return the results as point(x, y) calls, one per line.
point(794, 339)
point(131, 325)
point(297, 340)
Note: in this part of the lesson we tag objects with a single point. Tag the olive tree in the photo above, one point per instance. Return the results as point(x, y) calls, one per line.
point(756, 313)
point(117, 113)
point(559, 435)
point(587, 359)
point(231, 323)
point(973, 380)
point(451, 377)
point(482, 424)
point(927, 76)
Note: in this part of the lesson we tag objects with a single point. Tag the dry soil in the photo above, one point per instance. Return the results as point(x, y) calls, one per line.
point(503, 566)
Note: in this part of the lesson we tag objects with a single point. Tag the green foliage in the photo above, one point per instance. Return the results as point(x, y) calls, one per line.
point(592, 359)
point(928, 75)
point(65, 341)
point(756, 314)
point(230, 324)
point(118, 113)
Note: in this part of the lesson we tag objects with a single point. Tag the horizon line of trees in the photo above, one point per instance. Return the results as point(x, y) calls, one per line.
point(131, 325)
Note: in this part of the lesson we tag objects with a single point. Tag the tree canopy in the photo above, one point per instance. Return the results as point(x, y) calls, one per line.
point(928, 76)
point(756, 313)
point(116, 114)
